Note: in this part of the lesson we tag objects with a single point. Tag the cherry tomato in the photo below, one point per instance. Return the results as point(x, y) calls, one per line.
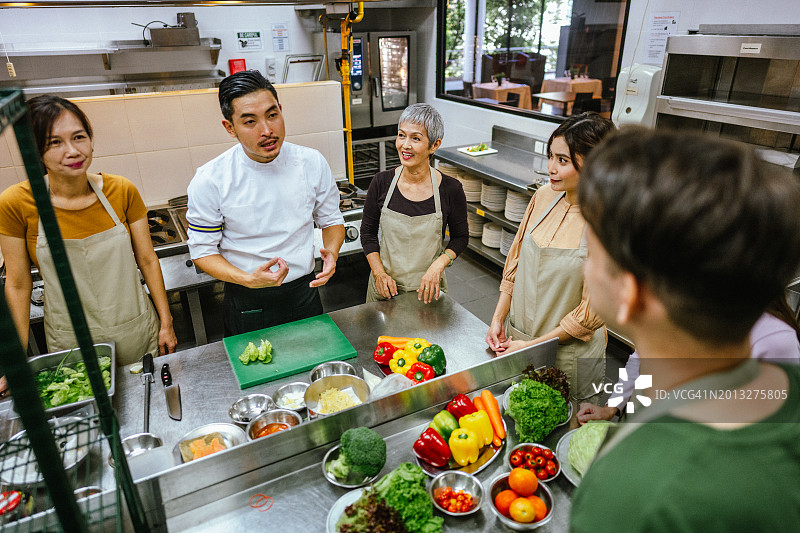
point(540, 461)
point(547, 454)
point(530, 464)
point(551, 469)
point(516, 459)
point(536, 450)
point(541, 473)
point(528, 456)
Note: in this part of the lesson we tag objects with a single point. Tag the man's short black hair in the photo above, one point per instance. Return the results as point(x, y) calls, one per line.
point(241, 84)
point(708, 226)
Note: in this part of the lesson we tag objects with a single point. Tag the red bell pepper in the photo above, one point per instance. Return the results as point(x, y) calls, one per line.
point(432, 448)
point(420, 372)
point(383, 353)
point(460, 406)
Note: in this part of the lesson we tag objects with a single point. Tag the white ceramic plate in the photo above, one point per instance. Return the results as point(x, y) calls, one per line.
point(562, 452)
point(465, 150)
point(515, 385)
point(339, 506)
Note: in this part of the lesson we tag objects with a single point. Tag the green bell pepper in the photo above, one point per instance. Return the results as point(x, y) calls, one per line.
point(434, 355)
point(444, 423)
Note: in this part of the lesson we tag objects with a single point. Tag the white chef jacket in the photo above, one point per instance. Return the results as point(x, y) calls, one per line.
point(250, 212)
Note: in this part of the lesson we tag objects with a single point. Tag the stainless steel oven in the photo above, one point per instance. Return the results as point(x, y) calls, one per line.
point(383, 74)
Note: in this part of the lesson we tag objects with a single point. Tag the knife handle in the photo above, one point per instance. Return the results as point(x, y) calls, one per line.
point(166, 376)
point(147, 364)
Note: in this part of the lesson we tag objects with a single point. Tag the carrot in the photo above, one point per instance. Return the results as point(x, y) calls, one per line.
point(493, 409)
point(478, 403)
point(400, 342)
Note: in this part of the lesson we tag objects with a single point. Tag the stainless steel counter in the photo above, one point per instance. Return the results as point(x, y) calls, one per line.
point(215, 493)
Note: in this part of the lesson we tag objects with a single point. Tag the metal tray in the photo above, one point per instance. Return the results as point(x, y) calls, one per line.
point(52, 360)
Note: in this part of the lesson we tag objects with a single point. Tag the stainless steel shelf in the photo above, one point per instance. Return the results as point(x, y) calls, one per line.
point(492, 254)
point(493, 216)
point(728, 113)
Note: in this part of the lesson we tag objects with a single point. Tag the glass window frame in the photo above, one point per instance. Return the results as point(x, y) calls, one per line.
point(441, 36)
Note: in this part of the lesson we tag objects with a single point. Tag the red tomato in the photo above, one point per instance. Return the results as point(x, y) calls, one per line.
point(547, 454)
point(530, 464)
point(541, 473)
point(528, 456)
point(551, 469)
point(516, 459)
point(540, 461)
point(536, 450)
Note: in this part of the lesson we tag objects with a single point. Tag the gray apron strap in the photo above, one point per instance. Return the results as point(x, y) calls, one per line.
point(728, 380)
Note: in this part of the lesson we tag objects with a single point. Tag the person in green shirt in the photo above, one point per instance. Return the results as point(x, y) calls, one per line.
point(689, 240)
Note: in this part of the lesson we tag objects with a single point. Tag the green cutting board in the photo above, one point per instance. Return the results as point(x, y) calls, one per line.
point(296, 346)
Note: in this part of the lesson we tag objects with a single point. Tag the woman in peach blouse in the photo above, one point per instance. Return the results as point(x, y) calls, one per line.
point(542, 294)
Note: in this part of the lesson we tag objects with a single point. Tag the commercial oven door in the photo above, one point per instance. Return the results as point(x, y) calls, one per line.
point(392, 74)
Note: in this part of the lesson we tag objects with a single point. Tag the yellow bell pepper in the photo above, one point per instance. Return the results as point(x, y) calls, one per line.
point(402, 361)
point(480, 424)
point(416, 346)
point(464, 446)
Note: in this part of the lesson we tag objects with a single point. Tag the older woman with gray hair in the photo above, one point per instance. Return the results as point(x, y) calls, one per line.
point(412, 206)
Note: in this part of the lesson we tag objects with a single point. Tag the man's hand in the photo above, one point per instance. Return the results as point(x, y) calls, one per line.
point(589, 411)
point(386, 285)
point(328, 268)
point(263, 276)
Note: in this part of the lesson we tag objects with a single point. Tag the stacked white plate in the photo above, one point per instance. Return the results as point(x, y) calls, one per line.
point(516, 204)
point(491, 235)
point(450, 170)
point(472, 187)
point(506, 240)
point(493, 197)
point(475, 223)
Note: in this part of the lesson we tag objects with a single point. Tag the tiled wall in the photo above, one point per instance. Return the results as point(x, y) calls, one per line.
point(159, 140)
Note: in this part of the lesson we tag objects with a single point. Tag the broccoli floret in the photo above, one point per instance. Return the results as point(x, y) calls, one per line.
point(362, 451)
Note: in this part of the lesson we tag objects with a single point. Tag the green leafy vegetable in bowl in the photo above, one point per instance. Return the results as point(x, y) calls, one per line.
point(536, 409)
point(585, 442)
point(402, 490)
point(552, 377)
point(68, 384)
point(252, 354)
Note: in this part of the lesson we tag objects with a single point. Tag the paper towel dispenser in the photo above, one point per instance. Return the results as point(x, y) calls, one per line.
point(637, 89)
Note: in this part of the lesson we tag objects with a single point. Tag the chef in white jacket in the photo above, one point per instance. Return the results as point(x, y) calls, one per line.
point(252, 212)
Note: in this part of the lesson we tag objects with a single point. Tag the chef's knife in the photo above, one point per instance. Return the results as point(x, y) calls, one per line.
point(172, 393)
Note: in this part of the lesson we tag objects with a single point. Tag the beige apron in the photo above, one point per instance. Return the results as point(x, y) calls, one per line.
point(408, 244)
point(113, 297)
point(548, 286)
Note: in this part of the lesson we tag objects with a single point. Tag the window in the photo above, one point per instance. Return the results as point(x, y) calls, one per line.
point(546, 58)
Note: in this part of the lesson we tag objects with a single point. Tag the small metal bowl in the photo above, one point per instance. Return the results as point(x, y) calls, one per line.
point(137, 444)
point(457, 481)
point(499, 484)
point(248, 407)
point(353, 481)
point(280, 395)
point(340, 382)
point(232, 435)
point(528, 446)
point(281, 416)
point(331, 368)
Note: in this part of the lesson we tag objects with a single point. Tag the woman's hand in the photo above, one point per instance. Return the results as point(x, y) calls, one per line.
point(496, 336)
point(429, 286)
point(512, 346)
point(167, 341)
point(590, 411)
point(386, 285)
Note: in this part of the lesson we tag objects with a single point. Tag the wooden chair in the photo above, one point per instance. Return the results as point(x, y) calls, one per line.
point(513, 100)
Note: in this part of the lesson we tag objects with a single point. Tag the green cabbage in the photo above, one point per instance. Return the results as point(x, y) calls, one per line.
point(251, 354)
point(585, 442)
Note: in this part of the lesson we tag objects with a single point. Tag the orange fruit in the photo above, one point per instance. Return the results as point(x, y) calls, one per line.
point(503, 500)
point(522, 510)
point(539, 506)
point(523, 481)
